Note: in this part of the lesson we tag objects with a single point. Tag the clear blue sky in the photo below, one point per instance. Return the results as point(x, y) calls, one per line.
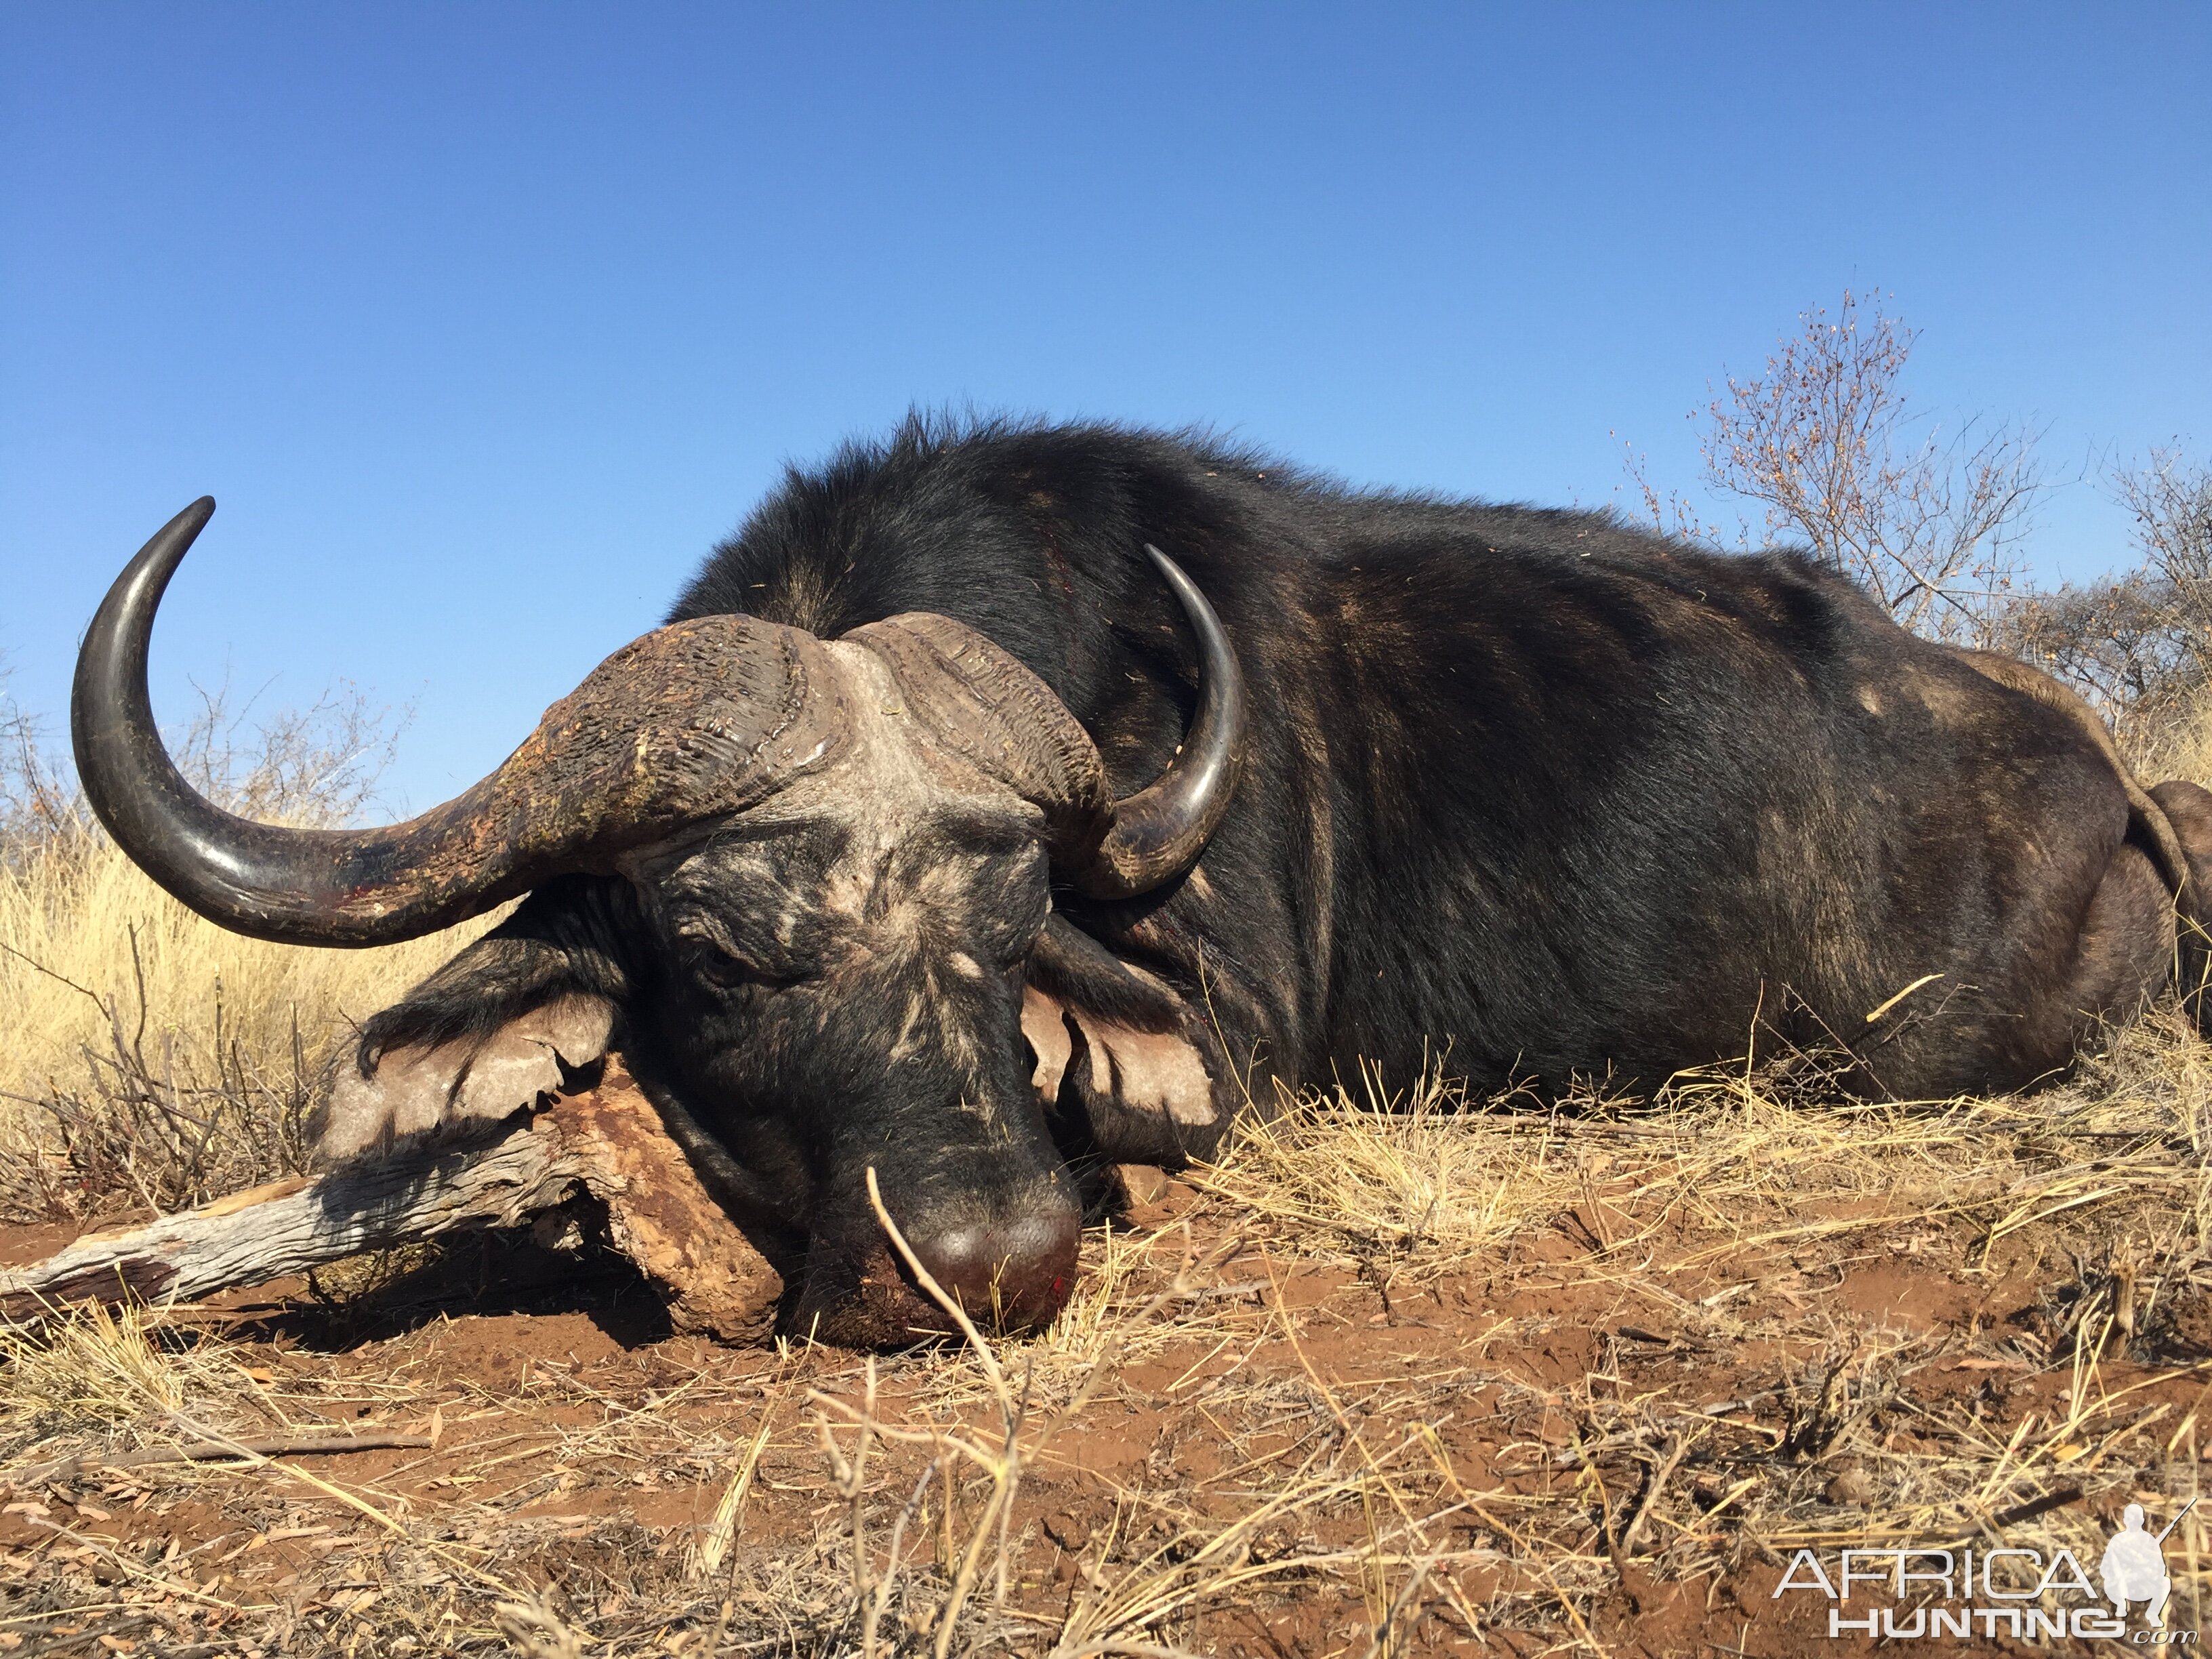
point(484, 321)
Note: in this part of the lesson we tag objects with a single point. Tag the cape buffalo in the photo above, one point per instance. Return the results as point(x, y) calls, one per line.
point(947, 830)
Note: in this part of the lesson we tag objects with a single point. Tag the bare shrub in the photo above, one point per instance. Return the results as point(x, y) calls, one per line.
point(1825, 442)
point(154, 1058)
point(314, 767)
point(33, 800)
point(2138, 644)
point(2172, 501)
point(164, 1120)
point(2115, 640)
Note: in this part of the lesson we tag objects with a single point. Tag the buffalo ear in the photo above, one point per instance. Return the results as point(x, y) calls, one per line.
point(476, 1078)
point(490, 1032)
point(1125, 1049)
point(1044, 1023)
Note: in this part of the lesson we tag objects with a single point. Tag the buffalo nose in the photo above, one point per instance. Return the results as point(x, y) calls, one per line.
point(1013, 1274)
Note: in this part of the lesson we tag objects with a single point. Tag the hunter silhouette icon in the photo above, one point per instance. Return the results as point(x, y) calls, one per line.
point(2134, 1566)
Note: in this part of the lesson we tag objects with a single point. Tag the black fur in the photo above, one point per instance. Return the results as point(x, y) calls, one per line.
point(1531, 787)
point(575, 936)
point(1566, 797)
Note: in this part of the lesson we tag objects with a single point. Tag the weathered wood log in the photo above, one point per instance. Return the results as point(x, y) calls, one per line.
point(610, 1142)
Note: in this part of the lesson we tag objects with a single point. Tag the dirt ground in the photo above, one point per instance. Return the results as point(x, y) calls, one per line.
point(1688, 1352)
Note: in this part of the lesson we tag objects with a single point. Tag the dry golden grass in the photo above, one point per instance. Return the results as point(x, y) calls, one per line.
point(84, 935)
point(1723, 1409)
point(2177, 743)
point(150, 1053)
point(1419, 1380)
point(92, 1371)
point(152, 1057)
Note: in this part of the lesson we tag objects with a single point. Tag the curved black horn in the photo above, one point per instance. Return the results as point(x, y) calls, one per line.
point(257, 878)
point(1159, 832)
point(692, 721)
point(216, 863)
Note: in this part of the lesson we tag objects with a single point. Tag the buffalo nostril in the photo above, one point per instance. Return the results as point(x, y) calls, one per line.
point(1016, 1275)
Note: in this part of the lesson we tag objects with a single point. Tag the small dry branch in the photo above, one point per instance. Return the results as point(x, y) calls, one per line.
point(219, 1452)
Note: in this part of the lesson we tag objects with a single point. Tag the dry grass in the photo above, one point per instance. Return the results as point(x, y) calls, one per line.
point(154, 1058)
point(89, 943)
point(93, 1372)
point(2180, 748)
point(1448, 1376)
point(1714, 1405)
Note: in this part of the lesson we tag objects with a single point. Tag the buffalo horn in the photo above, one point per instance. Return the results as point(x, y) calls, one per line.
point(695, 719)
point(1159, 833)
point(978, 701)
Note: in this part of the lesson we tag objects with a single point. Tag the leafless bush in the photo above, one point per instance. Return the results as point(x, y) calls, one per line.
point(317, 766)
point(2172, 501)
point(1825, 442)
point(160, 1121)
point(2138, 644)
point(33, 798)
point(151, 1058)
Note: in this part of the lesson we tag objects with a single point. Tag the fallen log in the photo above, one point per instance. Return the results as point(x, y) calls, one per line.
point(656, 1178)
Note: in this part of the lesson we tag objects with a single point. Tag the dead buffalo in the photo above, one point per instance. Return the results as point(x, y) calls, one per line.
point(945, 831)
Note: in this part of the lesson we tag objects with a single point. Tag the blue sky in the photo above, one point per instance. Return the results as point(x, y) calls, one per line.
point(483, 322)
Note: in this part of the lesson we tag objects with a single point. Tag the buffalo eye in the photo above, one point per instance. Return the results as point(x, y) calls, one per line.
point(728, 970)
point(719, 967)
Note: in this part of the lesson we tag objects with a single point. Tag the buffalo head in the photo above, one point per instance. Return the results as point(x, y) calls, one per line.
point(806, 883)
